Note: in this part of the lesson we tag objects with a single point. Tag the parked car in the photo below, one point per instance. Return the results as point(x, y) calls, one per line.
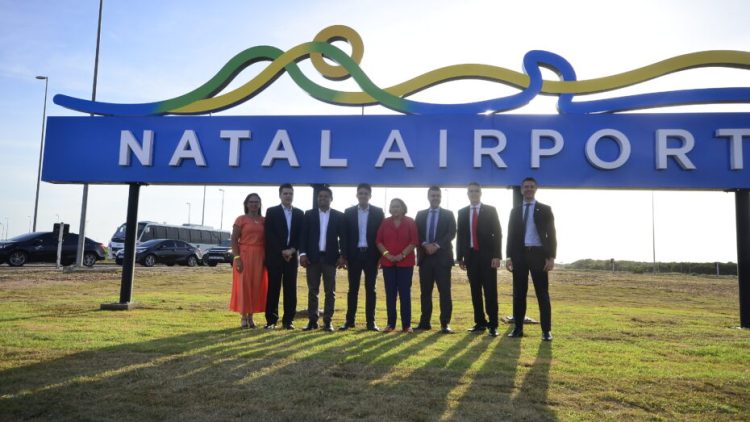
point(42, 247)
point(219, 254)
point(163, 251)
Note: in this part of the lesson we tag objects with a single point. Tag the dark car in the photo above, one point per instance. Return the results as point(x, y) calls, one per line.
point(219, 254)
point(42, 247)
point(163, 251)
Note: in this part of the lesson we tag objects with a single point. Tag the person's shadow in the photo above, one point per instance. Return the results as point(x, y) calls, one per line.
point(531, 402)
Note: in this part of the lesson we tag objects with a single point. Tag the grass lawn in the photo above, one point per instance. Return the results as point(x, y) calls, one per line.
point(626, 347)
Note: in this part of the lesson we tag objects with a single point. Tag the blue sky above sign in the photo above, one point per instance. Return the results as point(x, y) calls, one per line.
point(693, 151)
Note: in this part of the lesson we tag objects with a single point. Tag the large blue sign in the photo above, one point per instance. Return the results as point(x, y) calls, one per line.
point(694, 151)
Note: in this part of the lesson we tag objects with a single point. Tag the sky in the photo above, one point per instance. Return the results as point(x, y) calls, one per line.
point(152, 51)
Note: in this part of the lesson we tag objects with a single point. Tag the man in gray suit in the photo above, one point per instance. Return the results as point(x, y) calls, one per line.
point(436, 228)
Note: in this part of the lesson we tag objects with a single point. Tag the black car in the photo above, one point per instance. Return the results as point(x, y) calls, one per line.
point(163, 251)
point(42, 247)
point(219, 254)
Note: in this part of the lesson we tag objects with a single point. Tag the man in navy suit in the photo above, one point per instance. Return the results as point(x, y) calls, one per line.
point(479, 253)
point(321, 252)
point(362, 223)
point(283, 227)
point(532, 246)
point(436, 228)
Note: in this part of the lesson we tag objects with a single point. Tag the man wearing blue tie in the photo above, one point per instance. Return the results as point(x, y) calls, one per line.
point(436, 228)
point(532, 246)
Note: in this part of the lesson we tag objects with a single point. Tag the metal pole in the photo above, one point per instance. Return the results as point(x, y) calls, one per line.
point(41, 150)
point(188, 204)
point(85, 199)
point(221, 222)
point(653, 232)
point(742, 211)
point(517, 196)
point(203, 213)
point(316, 188)
point(131, 227)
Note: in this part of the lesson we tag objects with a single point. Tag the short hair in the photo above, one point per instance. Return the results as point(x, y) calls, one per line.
point(244, 203)
point(434, 187)
point(325, 189)
point(285, 186)
point(529, 179)
point(403, 204)
point(475, 184)
point(364, 186)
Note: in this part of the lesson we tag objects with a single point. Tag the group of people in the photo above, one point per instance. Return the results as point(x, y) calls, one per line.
point(268, 251)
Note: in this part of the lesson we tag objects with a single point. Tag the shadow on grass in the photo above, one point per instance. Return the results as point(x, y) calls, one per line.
point(277, 375)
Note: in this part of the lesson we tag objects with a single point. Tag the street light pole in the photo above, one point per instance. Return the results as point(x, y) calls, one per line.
point(41, 149)
point(85, 196)
point(221, 222)
point(188, 204)
point(203, 213)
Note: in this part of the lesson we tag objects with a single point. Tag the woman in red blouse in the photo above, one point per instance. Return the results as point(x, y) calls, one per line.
point(396, 240)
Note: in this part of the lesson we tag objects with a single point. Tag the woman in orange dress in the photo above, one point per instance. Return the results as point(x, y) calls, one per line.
point(249, 276)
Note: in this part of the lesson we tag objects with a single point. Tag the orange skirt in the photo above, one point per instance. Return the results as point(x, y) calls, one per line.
point(249, 288)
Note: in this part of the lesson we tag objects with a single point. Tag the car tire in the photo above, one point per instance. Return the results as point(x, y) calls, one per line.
point(211, 264)
point(17, 258)
point(149, 260)
point(118, 261)
point(171, 264)
point(192, 261)
point(89, 259)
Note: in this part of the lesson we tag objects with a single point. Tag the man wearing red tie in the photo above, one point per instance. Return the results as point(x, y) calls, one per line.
point(479, 253)
point(532, 246)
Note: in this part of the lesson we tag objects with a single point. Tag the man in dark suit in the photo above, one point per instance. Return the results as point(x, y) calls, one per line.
point(436, 228)
point(283, 227)
point(362, 223)
point(532, 246)
point(321, 252)
point(479, 253)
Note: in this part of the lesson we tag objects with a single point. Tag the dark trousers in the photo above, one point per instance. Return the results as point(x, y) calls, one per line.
point(284, 274)
point(531, 261)
point(397, 282)
point(483, 282)
point(358, 265)
point(314, 273)
point(432, 272)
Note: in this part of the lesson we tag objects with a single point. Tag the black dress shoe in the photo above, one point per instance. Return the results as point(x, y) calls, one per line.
point(346, 326)
point(547, 336)
point(516, 333)
point(270, 326)
point(447, 330)
point(288, 326)
point(328, 327)
point(310, 326)
point(477, 329)
point(423, 327)
point(373, 327)
point(493, 332)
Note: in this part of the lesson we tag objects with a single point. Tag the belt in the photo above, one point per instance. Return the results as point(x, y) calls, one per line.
point(532, 248)
point(362, 249)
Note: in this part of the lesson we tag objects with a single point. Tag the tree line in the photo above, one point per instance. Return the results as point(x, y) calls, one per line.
point(714, 268)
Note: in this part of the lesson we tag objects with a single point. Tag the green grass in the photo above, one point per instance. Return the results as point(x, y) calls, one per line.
point(626, 347)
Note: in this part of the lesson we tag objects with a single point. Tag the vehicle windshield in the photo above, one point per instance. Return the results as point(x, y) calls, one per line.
point(23, 237)
point(149, 243)
point(119, 235)
point(226, 242)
